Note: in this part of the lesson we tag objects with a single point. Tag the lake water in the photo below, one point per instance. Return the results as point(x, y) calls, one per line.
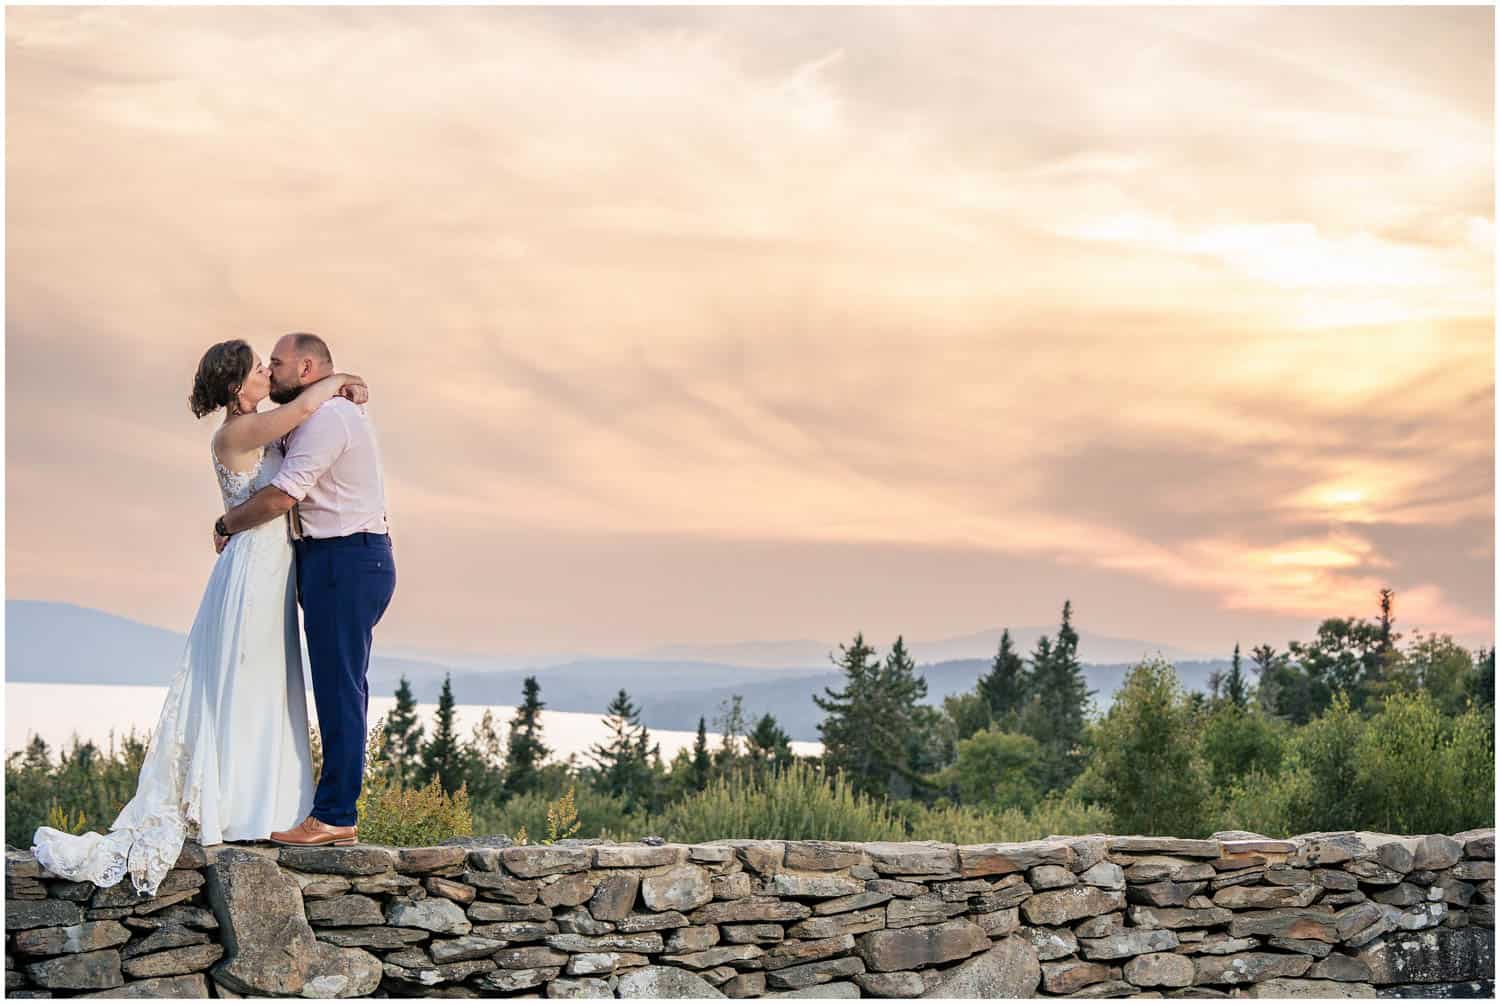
point(57, 711)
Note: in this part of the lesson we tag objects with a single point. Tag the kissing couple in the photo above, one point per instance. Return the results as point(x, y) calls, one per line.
point(304, 521)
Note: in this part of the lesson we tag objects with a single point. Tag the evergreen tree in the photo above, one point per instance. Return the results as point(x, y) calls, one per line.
point(1484, 679)
point(524, 748)
point(867, 725)
point(622, 761)
point(441, 757)
point(768, 745)
point(702, 767)
point(731, 725)
point(1004, 686)
point(1234, 683)
point(402, 748)
point(483, 759)
point(1056, 713)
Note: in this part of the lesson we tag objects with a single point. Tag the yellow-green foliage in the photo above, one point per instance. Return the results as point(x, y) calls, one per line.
point(407, 817)
point(562, 819)
point(800, 803)
point(962, 824)
point(598, 813)
point(58, 819)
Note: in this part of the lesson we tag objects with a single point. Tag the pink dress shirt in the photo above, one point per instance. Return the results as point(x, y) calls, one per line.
point(333, 470)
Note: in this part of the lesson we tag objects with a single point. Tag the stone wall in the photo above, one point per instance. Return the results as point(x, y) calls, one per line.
point(1320, 915)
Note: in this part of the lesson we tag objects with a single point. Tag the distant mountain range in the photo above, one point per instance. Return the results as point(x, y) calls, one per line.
point(673, 684)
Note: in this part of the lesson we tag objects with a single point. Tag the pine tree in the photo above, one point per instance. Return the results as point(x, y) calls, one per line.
point(1004, 686)
point(441, 757)
point(483, 758)
point(702, 766)
point(622, 761)
point(402, 748)
point(1060, 696)
point(868, 725)
point(524, 749)
point(731, 725)
point(1234, 683)
point(769, 745)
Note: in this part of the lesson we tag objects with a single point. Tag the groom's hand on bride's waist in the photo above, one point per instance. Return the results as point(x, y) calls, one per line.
point(220, 542)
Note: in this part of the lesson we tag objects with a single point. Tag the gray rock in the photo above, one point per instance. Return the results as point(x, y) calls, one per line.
point(614, 897)
point(822, 855)
point(384, 884)
point(791, 953)
point(429, 860)
point(1248, 967)
point(1127, 943)
point(21, 865)
point(1341, 967)
point(1373, 872)
point(722, 955)
point(653, 921)
point(818, 885)
point(1219, 943)
point(1051, 942)
point(459, 892)
point(174, 987)
point(638, 855)
point(1105, 875)
point(1281, 988)
point(1009, 969)
point(1044, 877)
point(648, 942)
point(857, 922)
point(750, 984)
point(1160, 969)
point(87, 937)
point(1098, 927)
point(858, 901)
point(522, 930)
point(1004, 859)
point(1474, 871)
point(534, 862)
point(573, 889)
point(1070, 975)
point(173, 962)
point(348, 911)
point(371, 937)
point(530, 957)
point(440, 916)
point(1442, 955)
point(1165, 845)
point(445, 950)
point(664, 981)
point(915, 947)
point(582, 987)
point(1286, 923)
point(167, 936)
point(266, 937)
point(1435, 852)
point(923, 910)
point(1317, 949)
point(696, 939)
point(172, 889)
point(508, 981)
point(87, 971)
point(812, 973)
point(735, 886)
point(912, 857)
point(361, 859)
point(23, 914)
point(1478, 843)
point(682, 888)
point(343, 973)
point(998, 923)
point(890, 984)
point(1064, 905)
point(755, 908)
point(1241, 897)
point(832, 991)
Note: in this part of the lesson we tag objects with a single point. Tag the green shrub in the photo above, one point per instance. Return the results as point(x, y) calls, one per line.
point(390, 813)
point(961, 824)
point(598, 814)
point(1237, 741)
point(1143, 765)
point(799, 803)
point(995, 770)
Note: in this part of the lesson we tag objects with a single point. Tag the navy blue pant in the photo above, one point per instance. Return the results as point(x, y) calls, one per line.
point(344, 585)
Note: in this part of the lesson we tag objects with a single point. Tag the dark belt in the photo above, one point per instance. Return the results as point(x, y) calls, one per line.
point(364, 539)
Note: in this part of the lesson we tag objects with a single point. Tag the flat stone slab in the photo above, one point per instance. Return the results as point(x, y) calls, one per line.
point(1165, 845)
point(1003, 859)
point(534, 862)
point(665, 982)
point(357, 860)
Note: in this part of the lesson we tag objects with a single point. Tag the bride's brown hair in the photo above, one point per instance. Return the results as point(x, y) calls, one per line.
point(221, 374)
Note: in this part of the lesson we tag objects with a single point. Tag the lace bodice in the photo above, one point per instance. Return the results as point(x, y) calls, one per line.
point(237, 486)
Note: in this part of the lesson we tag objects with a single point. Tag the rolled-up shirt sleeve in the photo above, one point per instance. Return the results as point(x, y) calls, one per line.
point(312, 450)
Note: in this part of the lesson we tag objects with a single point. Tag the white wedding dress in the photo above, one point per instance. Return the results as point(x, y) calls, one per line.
point(229, 759)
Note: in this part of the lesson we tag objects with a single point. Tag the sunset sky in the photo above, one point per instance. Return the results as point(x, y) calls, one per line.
point(750, 324)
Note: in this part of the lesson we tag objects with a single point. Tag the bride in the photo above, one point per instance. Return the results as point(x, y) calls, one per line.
point(229, 759)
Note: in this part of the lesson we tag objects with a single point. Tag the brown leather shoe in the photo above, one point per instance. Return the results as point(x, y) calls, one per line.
point(313, 832)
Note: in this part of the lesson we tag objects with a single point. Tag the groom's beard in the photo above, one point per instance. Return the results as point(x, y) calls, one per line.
point(281, 395)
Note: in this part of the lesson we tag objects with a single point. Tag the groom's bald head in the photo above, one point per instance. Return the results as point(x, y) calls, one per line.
point(298, 359)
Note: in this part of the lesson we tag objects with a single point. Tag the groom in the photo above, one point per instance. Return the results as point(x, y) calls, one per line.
point(332, 484)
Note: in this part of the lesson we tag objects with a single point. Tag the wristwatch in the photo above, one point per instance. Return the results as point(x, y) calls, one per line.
point(220, 528)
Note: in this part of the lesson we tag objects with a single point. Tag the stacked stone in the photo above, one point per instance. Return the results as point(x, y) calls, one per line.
point(72, 939)
point(1321, 915)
